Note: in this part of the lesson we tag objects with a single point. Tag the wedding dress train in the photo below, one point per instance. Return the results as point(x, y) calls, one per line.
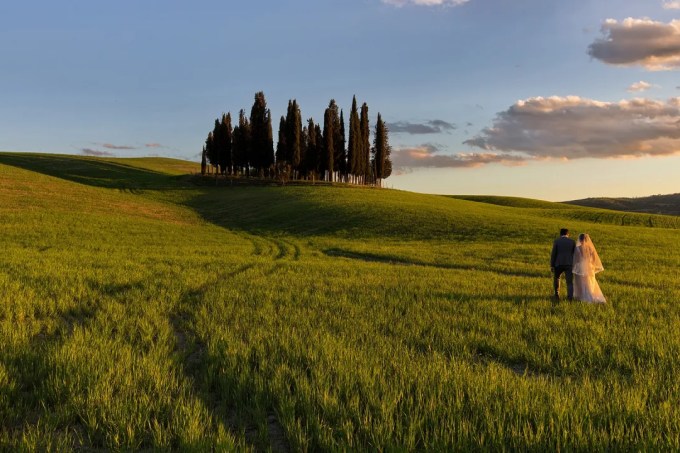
point(586, 264)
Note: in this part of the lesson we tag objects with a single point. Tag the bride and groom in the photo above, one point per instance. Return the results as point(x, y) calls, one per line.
point(579, 262)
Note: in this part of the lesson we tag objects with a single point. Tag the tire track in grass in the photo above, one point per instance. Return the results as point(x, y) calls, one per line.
point(194, 357)
point(193, 353)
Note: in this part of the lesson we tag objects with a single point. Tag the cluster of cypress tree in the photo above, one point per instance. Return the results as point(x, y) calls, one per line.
point(303, 152)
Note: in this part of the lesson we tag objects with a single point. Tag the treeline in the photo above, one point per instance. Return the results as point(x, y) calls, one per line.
point(304, 151)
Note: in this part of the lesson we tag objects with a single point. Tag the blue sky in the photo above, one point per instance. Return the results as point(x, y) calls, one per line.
point(489, 81)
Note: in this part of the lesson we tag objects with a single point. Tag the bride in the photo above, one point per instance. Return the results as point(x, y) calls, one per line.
point(586, 264)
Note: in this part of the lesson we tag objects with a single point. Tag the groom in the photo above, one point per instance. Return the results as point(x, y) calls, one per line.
point(561, 262)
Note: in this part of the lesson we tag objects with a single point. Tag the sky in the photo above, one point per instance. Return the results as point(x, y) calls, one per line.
point(536, 98)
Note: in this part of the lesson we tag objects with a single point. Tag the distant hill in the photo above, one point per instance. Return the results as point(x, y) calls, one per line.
point(656, 204)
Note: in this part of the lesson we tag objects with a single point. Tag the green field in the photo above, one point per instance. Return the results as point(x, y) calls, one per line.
point(142, 308)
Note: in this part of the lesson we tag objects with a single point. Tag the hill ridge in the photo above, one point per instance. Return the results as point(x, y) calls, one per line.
point(654, 204)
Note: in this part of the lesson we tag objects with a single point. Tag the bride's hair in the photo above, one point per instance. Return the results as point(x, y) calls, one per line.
point(581, 237)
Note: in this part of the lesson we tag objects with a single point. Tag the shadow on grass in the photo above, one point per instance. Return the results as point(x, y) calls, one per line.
point(93, 172)
point(43, 399)
point(275, 211)
point(387, 259)
point(323, 211)
point(34, 365)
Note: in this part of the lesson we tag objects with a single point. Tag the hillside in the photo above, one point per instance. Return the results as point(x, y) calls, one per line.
point(655, 204)
point(569, 211)
point(143, 309)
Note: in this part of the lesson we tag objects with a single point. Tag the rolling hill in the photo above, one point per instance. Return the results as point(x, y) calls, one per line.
point(141, 308)
point(655, 204)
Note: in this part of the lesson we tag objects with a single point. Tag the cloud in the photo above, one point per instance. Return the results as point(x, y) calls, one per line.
point(573, 127)
point(640, 86)
point(400, 3)
point(429, 156)
point(110, 146)
point(96, 152)
point(429, 127)
point(671, 5)
point(639, 42)
point(153, 145)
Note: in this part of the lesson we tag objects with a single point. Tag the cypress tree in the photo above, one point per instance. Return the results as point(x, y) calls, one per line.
point(225, 144)
point(262, 142)
point(302, 169)
point(210, 149)
point(353, 151)
point(247, 139)
point(218, 145)
point(319, 149)
point(364, 164)
point(294, 128)
point(242, 144)
point(311, 160)
point(382, 164)
point(329, 140)
point(236, 139)
point(339, 146)
point(203, 162)
point(281, 146)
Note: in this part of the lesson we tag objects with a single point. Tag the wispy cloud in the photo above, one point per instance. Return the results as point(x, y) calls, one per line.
point(400, 3)
point(640, 86)
point(428, 127)
point(639, 42)
point(429, 156)
point(573, 127)
point(671, 4)
point(122, 147)
point(96, 152)
point(153, 145)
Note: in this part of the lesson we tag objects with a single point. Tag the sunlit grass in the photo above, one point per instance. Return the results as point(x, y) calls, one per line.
point(165, 315)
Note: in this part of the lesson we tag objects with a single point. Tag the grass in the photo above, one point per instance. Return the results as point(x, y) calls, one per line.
point(139, 310)
point(657, 204)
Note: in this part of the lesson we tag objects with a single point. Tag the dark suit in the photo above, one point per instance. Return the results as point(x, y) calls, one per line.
point(562, 261)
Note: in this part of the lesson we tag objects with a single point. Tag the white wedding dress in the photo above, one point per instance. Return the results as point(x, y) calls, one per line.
point(586, 264)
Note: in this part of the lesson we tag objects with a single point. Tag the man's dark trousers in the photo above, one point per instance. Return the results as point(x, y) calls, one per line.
point(566, 270)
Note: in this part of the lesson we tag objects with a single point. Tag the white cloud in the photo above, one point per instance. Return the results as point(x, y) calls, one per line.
point(639, 42)
point(640, 86)
point(96, 152)
point(428, 127)
point(112, 146)
point(671, 5)
point(429, 156)
point(400, 3)
point(573, 127)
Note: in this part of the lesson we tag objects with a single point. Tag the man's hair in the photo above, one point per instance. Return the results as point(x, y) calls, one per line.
point(564, 232)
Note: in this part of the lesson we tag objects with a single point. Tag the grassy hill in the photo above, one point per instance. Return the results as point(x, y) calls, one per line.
point(656, 204)
point(142, 309)
point(571, 210)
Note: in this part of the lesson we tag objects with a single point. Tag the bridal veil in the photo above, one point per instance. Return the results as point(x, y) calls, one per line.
point(586, 259)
